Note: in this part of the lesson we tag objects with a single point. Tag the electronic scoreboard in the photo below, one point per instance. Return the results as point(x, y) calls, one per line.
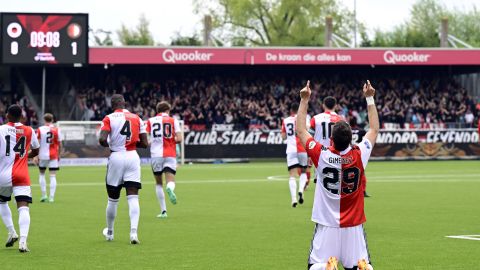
point(44, 38)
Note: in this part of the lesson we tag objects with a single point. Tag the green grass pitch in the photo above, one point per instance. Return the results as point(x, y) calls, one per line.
point(231, 217)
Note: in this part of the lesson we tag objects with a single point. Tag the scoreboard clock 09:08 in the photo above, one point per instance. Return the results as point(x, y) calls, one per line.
point(38, 38)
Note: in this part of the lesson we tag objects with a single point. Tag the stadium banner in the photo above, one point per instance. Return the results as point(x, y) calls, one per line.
point(223, 142)
point(420, 144)
point(282, 56)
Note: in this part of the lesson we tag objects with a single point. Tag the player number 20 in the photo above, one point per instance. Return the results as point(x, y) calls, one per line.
point(349, 183)
point(157, 130)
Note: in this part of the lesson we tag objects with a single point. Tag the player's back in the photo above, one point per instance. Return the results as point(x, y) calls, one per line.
point(357, 135)
point(322, 123)
point(16, 142)
point(49, 139)
point(289, 127)
point(341, 182)
point(124, 130)
point(162, 129)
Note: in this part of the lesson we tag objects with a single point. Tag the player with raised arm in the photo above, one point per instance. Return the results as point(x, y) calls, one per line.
point(338, 207)
point(49, 157)
point(16, 140)
point(165, 134)
point(296, 156)
point(123, 131)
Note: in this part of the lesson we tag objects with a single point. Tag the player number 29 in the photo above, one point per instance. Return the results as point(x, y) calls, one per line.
point(349, 183)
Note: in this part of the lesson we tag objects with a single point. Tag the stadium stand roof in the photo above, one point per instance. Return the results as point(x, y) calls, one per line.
point(283, 56)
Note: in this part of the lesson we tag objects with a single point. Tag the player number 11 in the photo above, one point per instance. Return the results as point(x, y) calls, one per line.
point(74, 48)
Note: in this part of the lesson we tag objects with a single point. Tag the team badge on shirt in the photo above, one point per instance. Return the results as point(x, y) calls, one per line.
point(312, 144)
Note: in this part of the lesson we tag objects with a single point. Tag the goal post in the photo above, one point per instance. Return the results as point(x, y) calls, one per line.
point(80, 141)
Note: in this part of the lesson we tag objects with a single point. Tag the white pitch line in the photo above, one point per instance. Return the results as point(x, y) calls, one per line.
point(465, 237)
point(406, 179)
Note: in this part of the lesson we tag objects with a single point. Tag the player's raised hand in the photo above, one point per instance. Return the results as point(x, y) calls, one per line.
point(368, 90)
point(306, 92)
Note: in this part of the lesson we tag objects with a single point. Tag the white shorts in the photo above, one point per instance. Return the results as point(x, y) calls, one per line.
point(123, 170)
point(51, 164)
point(295, 160)
point(164, 164)
point(21, 193)
point(347, 244)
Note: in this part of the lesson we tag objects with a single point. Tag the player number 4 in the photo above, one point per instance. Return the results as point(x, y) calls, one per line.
point(126, 130)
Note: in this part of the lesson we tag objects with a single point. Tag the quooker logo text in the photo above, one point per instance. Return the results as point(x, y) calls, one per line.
point(395, 58)
point(170, 56)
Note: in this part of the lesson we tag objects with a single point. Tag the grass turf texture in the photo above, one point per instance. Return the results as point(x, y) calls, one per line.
point(232, 217)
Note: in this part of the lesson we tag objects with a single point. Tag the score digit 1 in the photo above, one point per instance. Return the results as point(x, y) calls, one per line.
point(74, 48)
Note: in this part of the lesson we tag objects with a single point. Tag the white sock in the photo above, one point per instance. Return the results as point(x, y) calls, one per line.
point(43, 184)
point(318, 266)
point(23, 222)
point(112, 206)
point(53, 185)
point(293, 188)
point(171, 185)
point(7, 217)
point(302, 182)
point(161, 198)
point(134, 211)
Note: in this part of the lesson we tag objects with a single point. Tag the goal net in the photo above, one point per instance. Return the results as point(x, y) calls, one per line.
point(80, 144)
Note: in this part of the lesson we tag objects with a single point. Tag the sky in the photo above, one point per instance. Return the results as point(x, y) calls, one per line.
point(168, 17)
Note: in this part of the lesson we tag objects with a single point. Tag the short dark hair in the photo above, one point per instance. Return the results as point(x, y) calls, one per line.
point(48, 117)
point(14, 113)
point(341, 135)
point(118, 102)
point(294, 107)
point(163, 106)
point(330, 102)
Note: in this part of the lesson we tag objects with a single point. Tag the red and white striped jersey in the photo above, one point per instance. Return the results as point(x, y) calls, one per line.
point(162, 129)
point(124, 130)
point(49, 137)
point(293, 142)
point(15, 143)
point(338, 200)
point(322, 123)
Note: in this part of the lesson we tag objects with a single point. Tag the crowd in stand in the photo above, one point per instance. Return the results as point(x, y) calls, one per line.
point(29, 113)
point(263, 104)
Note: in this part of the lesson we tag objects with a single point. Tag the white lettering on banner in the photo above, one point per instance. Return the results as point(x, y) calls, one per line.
point(344, 58)
point(271, 57)
point(397, 137)
point(245, 137)
point(170, 56)
point(308, 57)
point(289, 57)
point(393, 58)
point(452, 137)
point(325, 57)
point(233, 137)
